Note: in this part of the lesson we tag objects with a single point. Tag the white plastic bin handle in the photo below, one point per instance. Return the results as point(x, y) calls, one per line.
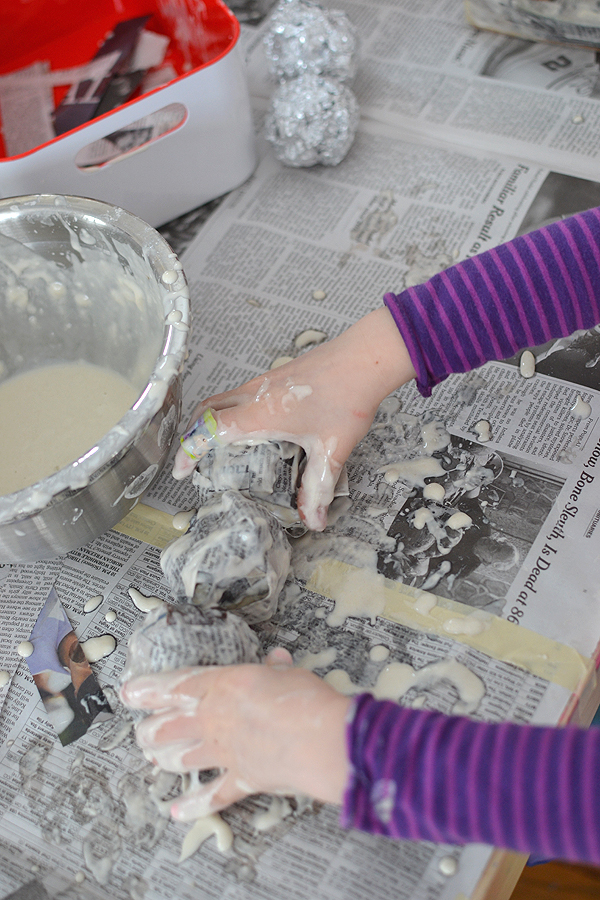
point(130, 138)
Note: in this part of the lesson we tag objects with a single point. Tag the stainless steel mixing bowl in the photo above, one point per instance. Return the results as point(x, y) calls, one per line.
point(82, 280)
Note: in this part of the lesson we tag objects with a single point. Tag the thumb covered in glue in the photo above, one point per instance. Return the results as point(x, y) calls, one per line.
point(318, 486)
point(279, 658)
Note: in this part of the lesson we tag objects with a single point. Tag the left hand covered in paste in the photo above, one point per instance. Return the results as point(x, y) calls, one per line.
point(269, 728)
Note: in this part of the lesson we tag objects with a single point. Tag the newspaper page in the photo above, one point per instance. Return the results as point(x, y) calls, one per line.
point(493, 611)
point(356, 607)
point(386, 217)
point(90, 819)
point(424, 69)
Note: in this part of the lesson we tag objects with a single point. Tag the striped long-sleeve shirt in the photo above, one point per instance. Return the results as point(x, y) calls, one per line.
point(420, 775)
point(542, 285)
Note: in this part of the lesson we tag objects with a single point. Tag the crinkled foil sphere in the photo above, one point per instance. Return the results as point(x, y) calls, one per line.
point(303, 38)
point(312, 120)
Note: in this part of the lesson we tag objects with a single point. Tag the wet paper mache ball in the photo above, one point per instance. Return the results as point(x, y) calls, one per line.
point(312, 120)
point(305, 39)
point(172, 637)
point(268, 473)
point(235, 556)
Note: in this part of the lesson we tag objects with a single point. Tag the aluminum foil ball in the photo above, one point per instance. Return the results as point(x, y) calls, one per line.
point(303, 38)
point(312, 120)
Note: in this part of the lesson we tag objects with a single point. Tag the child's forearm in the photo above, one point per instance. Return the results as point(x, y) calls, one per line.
point(542, 285)
point(378, 352)
point(420, 775)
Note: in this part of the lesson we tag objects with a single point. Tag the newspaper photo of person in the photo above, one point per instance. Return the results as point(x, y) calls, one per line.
point(62, 674)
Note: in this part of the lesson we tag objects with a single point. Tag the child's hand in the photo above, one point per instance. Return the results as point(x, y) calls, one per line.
point(269, 728)
point(324, 400)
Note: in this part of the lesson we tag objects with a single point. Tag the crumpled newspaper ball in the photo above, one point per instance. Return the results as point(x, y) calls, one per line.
point(312, 120)
point(267, 472)
point(303, 38)
point(172, 637)
point(235, 556)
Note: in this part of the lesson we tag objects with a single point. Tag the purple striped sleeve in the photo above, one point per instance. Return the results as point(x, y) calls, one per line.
point(542, 285)
point(420, 775)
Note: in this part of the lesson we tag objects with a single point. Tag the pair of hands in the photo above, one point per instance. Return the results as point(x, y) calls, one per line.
point(273, 728)
point(269, 728)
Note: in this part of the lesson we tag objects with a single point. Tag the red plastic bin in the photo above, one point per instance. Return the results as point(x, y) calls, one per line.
point(208, 150)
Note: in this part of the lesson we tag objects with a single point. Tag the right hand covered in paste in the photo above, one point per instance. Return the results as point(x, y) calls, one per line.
point(324, 401)
point(269, 728)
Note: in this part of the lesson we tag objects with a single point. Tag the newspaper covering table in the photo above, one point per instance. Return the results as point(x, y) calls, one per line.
point(290, 257)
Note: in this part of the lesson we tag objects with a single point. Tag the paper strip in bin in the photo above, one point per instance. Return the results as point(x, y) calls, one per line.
point(83, 98)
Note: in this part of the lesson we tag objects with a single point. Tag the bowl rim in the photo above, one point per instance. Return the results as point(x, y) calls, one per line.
point(79, 473)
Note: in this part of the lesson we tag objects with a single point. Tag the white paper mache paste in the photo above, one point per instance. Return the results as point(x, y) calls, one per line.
point(106, 273)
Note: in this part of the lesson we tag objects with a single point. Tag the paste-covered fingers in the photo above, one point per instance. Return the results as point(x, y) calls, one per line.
point(241, 395)
point(202, 435)
point(168, 728)
point(185, 756)
point(279, 658)
point(209, 429)
point(198, 756)
point(165, 689)
point(174, 757)
point(265, 407)
point(183, 465)
point(211, 797)
point(175, 742)
point(318, 486)
point(228, 399)
point(218, 402)
point(204, 430)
